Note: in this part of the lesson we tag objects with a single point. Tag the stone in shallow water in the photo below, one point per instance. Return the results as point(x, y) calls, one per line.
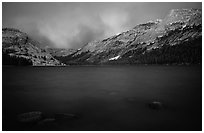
point(156, 105)
point(131, 100)
point(61, 116)
point(46, 121)
point(30, 117)
point(113, 93)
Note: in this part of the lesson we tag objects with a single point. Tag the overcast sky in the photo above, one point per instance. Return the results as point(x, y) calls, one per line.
point(72, 25)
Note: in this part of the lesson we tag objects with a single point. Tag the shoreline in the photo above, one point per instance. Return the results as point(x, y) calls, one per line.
point(101, 65)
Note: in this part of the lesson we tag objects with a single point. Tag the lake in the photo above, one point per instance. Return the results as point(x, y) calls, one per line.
point(105, 98)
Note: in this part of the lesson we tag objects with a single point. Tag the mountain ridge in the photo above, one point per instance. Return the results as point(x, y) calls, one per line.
point(179, 26)
point(156, 42)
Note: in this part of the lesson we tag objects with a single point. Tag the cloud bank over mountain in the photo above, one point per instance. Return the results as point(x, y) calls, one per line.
point(72, 25)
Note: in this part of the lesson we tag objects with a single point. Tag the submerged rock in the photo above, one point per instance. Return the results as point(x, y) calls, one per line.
point(156, 105)
point(46, 121)
point(61, 116)
point(30, 117)
point(131, 99)
point(113, 93)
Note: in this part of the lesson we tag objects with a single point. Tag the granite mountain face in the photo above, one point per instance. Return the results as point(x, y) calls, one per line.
point(60, 52)
point(19, 49)
point(175, 39)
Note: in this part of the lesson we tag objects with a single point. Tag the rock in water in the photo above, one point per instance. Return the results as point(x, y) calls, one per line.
point(30, 117)
point(46, 121)
point(61, 116)
point(156, 105)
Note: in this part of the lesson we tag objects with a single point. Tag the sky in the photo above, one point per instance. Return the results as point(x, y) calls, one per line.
point(73, 25)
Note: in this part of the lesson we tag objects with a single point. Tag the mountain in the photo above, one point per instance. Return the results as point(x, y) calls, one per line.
point(175, 39)
point(19, 49)
point(60, 52)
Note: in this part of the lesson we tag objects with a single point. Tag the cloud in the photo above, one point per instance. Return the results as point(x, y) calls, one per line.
point(115, 21)
point(72, 30)
point(85, 35)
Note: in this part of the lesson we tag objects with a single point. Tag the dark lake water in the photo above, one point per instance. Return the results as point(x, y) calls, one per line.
point(104, 97)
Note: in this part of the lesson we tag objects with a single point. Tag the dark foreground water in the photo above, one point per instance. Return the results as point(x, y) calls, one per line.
point(105, 98)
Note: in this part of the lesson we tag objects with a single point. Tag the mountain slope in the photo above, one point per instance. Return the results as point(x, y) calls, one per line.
point(58, 52)
point(175, 39)
point(20, 49)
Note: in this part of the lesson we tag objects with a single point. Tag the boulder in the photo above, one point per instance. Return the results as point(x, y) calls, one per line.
point(46, 121)
point(30, 117)
point(61, 116)
point(156, 105)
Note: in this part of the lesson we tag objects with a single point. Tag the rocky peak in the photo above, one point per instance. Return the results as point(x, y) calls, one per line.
point(12, 31)
point(182, 16)
point(18, 47)
point(148, 25)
